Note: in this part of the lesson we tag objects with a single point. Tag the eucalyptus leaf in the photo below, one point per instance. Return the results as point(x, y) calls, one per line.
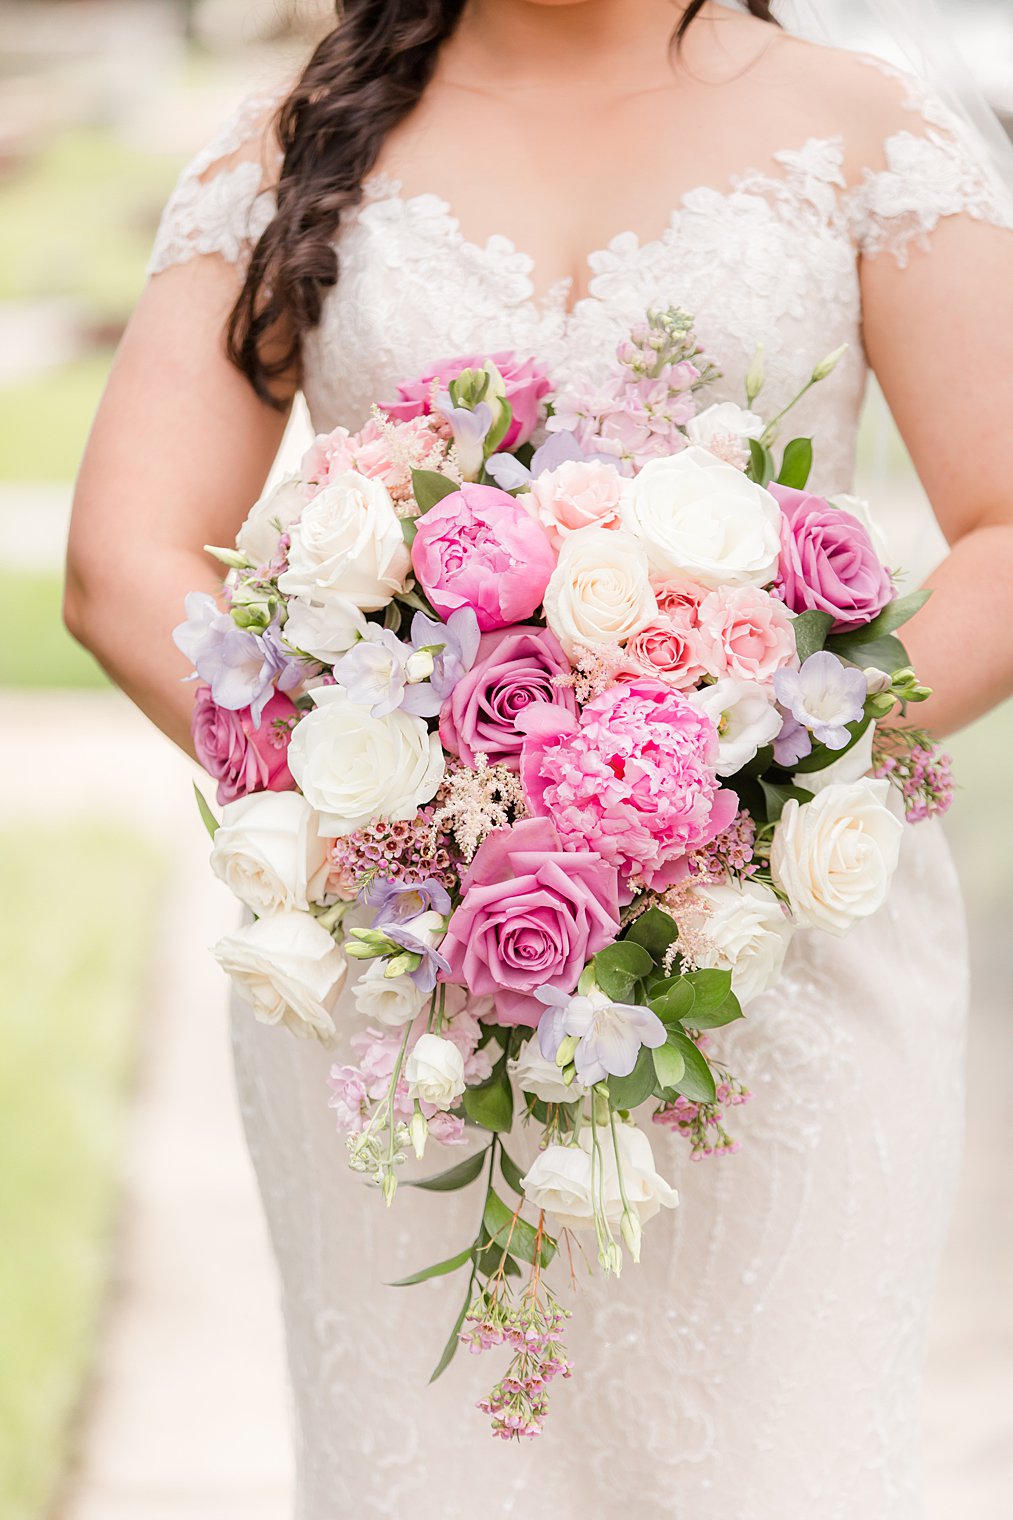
point(492, 1103)
point(893, 616)
point(811, 630)
point(676, 1004)
point(208, 818)
point(697, 1081)
point(628, 1092)
point(796, 466)
point(887, 653)
point(656, 931)
point(455, 1177)
point(713, 1008)
point(669, 1064)
point(429, 487)
point(440, 1269)
point(619, 967)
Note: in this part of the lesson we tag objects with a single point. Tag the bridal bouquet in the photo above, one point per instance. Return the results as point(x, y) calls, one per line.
point(559, 745)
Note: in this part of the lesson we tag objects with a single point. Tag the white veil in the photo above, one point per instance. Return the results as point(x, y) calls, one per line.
point(915, 34)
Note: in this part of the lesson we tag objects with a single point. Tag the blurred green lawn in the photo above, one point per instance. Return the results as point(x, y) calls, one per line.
point(78, 906)
point(44, 654)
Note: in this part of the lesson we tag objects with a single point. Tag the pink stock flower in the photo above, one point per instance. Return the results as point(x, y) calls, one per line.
point(531, 915)
point(828, 562)
point(515, 667)
point(240, 757)
point(577, 494)
point(524, 380)
point(447, 1129)
point(634, 779)
point(745, 633)
point(477, 548)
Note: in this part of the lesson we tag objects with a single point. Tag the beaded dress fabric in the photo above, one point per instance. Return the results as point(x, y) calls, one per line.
point(764, 1360)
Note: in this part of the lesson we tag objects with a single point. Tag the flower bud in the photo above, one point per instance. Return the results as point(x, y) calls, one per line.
point(631, 1230)
point(876, 680)
point(565, 1053)
point(388, 1186)
point(755, 377)
point(419, 666)
point(403, 964)
point(418, 1132)
point(233, 557)
point(829, 364)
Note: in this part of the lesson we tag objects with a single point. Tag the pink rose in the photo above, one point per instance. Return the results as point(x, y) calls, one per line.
point(575, 495)
point(745, 633)
point(531, 915)
point(828, 562)
point(241, 758)
point(477, 548)
point(634, 779)
point(515, 667)
point(524, 380)
point(669, 648)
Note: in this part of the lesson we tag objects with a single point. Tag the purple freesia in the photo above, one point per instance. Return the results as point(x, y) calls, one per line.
point(823, 696)
point(793, 743)
point(510, 474)
point(241, 667)
point(609, 1035)
point(412, 914)
point(470, 427)
point(454, 645)
point(383, 673)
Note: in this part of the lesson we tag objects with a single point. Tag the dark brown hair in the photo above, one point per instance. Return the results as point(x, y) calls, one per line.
point(363, 78)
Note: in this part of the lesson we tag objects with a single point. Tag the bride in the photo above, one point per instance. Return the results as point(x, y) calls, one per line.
point(455, 176)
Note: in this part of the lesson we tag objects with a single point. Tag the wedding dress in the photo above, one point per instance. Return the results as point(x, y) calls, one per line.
point(764, 1360)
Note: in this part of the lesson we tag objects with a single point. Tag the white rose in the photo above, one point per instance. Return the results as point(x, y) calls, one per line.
point(599, 592)
point(269, 518)
point(347, 557)
point(744, 930)
point(559, 1179)
point(434, 1071)
point(744, 715)
point(354, 768)
point(390, 1000)
point(288, 969)
point(852, 766)
point(723, 429)
point(543, 1079)
point(700, 518)
point(268, 851)
point(834, 857)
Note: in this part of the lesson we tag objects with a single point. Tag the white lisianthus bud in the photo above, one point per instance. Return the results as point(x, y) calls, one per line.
point(632, 1232)
point(876, 680)
point(829, 364)
point(418, 1131)
point(755, 376)
point(419, 666)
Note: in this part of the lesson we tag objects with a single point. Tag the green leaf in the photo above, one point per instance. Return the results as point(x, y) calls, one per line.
point(409, 528)
point(491, 1259)
point(676, 1004)
point(893, 616)
point(512, 1174)
point(796, 466)
point(210, 821)
point(776, 794)
point(811, 630)
point(498, 432)
point(450, 1348)
point(669, 1064)
point(429, 487)
point(656, 931)
point(628, 1092)
point(887, 653)
point(492, 1104)
point(696, 1082)
point(716, 1003)
point(821, 757)
point(761, 463)
point(503, 1226)
point(619, 967)
point(455, 1177)
point(441, 1269)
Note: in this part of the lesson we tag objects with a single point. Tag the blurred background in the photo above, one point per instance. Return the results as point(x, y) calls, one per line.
point(140, 1360)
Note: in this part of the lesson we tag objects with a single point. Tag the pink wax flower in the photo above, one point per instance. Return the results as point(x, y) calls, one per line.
point(745, 633)
point(633, 779)
point(524, 380)
point(828, 562)
point(515, 667)
point(477, 548)
point(241, 758)
point(531, 915)
point(577, 494)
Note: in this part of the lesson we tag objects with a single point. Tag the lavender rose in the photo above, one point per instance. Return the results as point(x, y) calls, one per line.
point(828, 563)
point(515, 667)
point(243, 758)
point(531, 915)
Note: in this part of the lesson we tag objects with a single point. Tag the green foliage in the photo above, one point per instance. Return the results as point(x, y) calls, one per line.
point(669, 1064)
point(796, 466)
point(761, 463)
point(811, 630)
point(438, 1269)
point(656, 931)
point(512, 1174)
point(875, 644)
point(509, 1232)
point(619, 967)
point(208, 818)
point(492, 1103)
point(715, 1003)
point(429, 487)
point(450, 1349)
point(454, 1177)
point(777, 793)
point(675, 1004)
point(628, 1092)
point(697, 1081)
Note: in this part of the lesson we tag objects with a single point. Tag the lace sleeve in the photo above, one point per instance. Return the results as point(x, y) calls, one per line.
point(933, 166)
point(224, 198)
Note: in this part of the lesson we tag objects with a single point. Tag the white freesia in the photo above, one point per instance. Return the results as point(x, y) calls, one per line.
point(347, 557)
point(354, 768)
point(269, 853)
point(742, 929)
point(390, 1000)
point(723, 430)
point(834, 857)
point(600, 591)
point(288, 969)
point(744, 715)
point(434, 1071)
point(852, 766)
point(559, 1179)
point(269, 518)
point(533, 1073)
point(701, 519)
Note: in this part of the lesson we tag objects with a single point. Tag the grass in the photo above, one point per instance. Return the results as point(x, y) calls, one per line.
point(44, 421)
point(43, 654)
point(78, 907)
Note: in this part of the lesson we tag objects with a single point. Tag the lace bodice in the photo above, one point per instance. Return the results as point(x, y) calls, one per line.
point(771, 258)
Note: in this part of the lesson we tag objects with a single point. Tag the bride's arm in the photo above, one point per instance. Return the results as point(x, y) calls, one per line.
point(939, 333)
point(178, 452)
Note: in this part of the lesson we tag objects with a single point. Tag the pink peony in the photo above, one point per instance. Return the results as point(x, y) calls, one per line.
point(515, 667)
point(828, 562)
point(745, 633)
point(524, 380)
point(241, 758)
point(575, 495)
point(531, 915)
point(634, 780)
point(477, 548)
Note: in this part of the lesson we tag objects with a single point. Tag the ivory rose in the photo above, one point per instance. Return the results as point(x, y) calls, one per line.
point(599, 592)
point(559, 1180)
point(288, 968)
point(834, 857)
point(741, 928)
point(269, 853)
point(270, 517)
point(434, 1071)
